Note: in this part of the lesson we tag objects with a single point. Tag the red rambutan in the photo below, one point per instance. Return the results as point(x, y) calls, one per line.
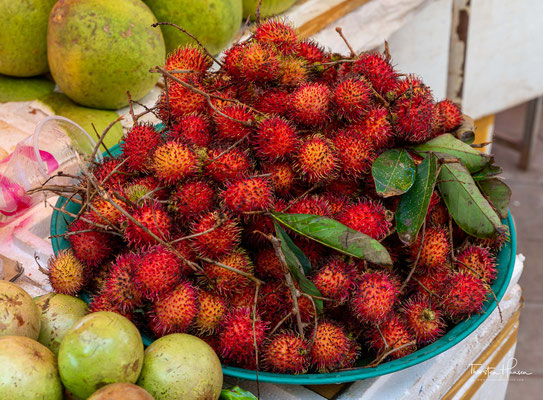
point(119, 286)
point(331, 348)
point(258, 63)
point(110, 173)
point(448, 116)
point(292, 71)
point(104, 212)
point(228, 129)
point(279, 34)
point(66, 273)
point(429, 285)
point(286, 352)
point(414, 116)
point(224, 234)
point(91, 247)
point(314, 205)
point(424, 319)
point(317, 159)
point(335, 279)
point(224, 165)
point(211, 311)
point(311, 51)
point(356, 154)
point(275, 138)
point(435, 249)
point(174, 312)
point(191, 58)
point(226, 280)
point(101, 302)
point(478, 261)
point(463, 294)
point(138, 145)
point(192, 129)
point(368, 217)
point(374, 297)
point(249, 194)
point(275, 302)
point(233, 59)
point(267, 264)
point(283, 177)
point(352, 98)
point(153, 217)
point(273, 101)
point(193, 199)
point(396, 337)
point(378, 70)
point(173, 162)
point(375, 127)
point(180, 101)
point(337, 202)
point(310, 104)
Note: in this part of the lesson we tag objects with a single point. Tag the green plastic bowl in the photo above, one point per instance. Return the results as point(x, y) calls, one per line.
point(505, 266)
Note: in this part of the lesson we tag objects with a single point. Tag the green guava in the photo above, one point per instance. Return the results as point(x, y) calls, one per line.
point(214, 22)
point(19, 315)
point(121, 391)
point(181, 366)
point(58, 312)
point(100, 49)
point(28, 370)
point(99, 349)
point(267, 8)
point(23, 37)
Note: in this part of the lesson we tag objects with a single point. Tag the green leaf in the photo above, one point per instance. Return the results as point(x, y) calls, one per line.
point(413, 205)
point(305, 264)
point(393, 172)
point(295, 266)
point(334, 234)
point(448, 145)
point(489, 171)
point(236, 393)
point(469, 208)
point(498, 193)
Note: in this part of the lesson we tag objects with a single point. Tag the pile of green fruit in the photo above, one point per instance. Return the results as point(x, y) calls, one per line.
point(50, 348)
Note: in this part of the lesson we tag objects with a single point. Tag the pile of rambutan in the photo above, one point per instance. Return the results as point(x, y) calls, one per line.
point(179, 233)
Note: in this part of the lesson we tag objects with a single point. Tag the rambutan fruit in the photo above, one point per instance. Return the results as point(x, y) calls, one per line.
point(311, 51)
point(267, 264)
point(186, 253)
point(248, 194)
point(173, 162)
point(189, 57)
point(145, 187)
point(212, 309)
point(314, 205)
point(224, 165)
point(224, 234)
point(292, 71)
point(414, 117)
point(153, 217)
point(232, 60)
point(435, 249)
point(424, 319)
point(278, 33)
point(375, 296)
point(90, 246)
point(375, 127)
point(337, 202)
point(273, 101)
point(496, 243)
point(306, 307)
point(174, 312)
point(448, 116)
point(347, 188)
point(110, 173)
point(258, 63)
point(193, 198)
point(317, 159)
point(283, 177)
point(102, 302)
point(233, 130)
point(180, 101)
point(119, 286)
point(438, 214)
point(226, 280)
point(331, 347)
point(192, 129)
point(356, 154)
point(66, 273)
point(479, 261)
point(243, 297)
point(310, 104)
point(368, 217)
point(463, 294)
point(429, 285)
point(157, 271)
point(392, 334)
point(335, 279)
point(275, 301)
point(237, 337)
point(314, 251)
point(287, 353)
point(378, 70)
point(105, 213)
point(412, 86)
point(352, 98)
point(275, 138)
point(138, 145)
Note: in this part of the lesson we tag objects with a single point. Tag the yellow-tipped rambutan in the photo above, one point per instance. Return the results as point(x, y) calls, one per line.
point(392, 334)
point(435, 249)
point(249, 194)
point(189, 58)
point(479, 261)
point(352, 98)
point(287, 353)
point(275, 138)
point(223, 234)
point(211, 311)
point(153, 217)
point(66, 273)
point(173, 162)
point(355, 153)
point(174, 312)
point(138, 146)
point(278, 33)
point(317, 159)
point(375, 296)
point(335, 279)
point(368, 217)
point(283, 177)
point(424, 319)
point(375, 127)
point(332, 347)
point(310, 104)
point(226, 280)
point(292, 71)
point(180, 101)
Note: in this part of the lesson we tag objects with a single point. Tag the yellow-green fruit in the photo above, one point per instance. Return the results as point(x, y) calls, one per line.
point(58, 313)
point(23, 44)
point(214, 22)
point(197, 374)
point(101, 348)
point(19, 315)
point(28, 370)
point(99, 49)
point(267, 8)
point(121, 391)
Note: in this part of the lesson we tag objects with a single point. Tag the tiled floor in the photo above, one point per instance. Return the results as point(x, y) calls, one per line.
point(527, 210)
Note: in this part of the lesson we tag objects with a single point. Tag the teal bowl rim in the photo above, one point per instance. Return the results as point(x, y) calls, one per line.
point(506, 264)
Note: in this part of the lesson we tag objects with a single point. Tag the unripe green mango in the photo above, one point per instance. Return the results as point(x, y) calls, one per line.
point(214, 22)
point(23, 43)
point(99, 49)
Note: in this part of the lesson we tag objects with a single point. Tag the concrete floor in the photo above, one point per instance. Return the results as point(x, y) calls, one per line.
point(527, 209)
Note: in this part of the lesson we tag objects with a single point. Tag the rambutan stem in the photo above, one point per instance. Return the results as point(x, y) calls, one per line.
point(229, 268)
point(380, 359)
point(404, 284)
point(255, 301)
point(217, 224)
point(280, 323)
point(130, 108)
point(98, 136)
point(315, 319)
point(300, 197)
point(451, 241)
point(103, 135)
point(191, 36)
point(340, 31)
